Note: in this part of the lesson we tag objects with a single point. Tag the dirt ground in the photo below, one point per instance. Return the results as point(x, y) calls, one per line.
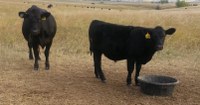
point(70, 81)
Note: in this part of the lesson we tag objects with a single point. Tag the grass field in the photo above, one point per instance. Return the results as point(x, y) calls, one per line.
point(70, 80)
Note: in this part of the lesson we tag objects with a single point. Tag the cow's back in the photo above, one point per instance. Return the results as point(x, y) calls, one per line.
point(110, 39)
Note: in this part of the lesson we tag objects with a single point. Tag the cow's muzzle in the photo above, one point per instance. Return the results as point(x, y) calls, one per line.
point(35, 32)
point(159, 47)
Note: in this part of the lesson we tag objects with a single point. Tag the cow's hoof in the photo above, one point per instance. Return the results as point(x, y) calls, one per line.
point(30, 58)
point(102, 77)
point(137, 84)
point(103, 81)
point(97, 76)
point(128, 84)
point(36, 68)
point(46, 68)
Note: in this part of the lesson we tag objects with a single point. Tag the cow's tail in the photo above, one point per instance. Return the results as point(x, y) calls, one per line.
point(91, 36)
point(91, 47)
point(90, 40)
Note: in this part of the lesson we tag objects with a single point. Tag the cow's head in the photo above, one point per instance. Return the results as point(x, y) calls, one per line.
point(35, 16)
point(157, 35)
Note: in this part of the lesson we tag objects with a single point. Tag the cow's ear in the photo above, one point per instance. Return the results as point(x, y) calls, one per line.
point(23, 14)
point(147, 36)
point(45, 15)
point(170, 31)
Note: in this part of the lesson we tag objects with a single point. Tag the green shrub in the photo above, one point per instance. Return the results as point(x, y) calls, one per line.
point(181, 3)
point(164, 1)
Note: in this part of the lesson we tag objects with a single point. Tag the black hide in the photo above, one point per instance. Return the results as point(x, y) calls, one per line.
point(117, 42)
point(39, 29)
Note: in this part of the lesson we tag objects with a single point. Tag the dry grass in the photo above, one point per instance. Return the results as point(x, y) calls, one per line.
point(71, 79)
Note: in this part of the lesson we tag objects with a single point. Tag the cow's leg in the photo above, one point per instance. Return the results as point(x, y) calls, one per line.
point(39, 53)
point(36, 53)
point(130, 68)
point(138, 67)
point(30, 51)
point(48, 46)
point(97, 66)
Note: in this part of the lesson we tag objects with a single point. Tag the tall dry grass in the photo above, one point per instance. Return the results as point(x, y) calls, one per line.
point(72, 34)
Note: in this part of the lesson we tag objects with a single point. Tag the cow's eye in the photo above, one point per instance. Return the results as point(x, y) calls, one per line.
point(43, 18)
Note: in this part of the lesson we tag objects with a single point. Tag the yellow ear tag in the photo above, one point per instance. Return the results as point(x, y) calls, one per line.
point(147, 36)
point(43, 18)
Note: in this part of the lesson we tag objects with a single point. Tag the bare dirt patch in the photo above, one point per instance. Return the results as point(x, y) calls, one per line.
point(72, 81)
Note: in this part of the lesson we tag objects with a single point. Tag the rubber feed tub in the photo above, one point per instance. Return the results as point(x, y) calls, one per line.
point(157, 85)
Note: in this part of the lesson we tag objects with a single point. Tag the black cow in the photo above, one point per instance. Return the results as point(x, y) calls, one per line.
point(39, 28)
point(135, 44)
point(50, 6)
